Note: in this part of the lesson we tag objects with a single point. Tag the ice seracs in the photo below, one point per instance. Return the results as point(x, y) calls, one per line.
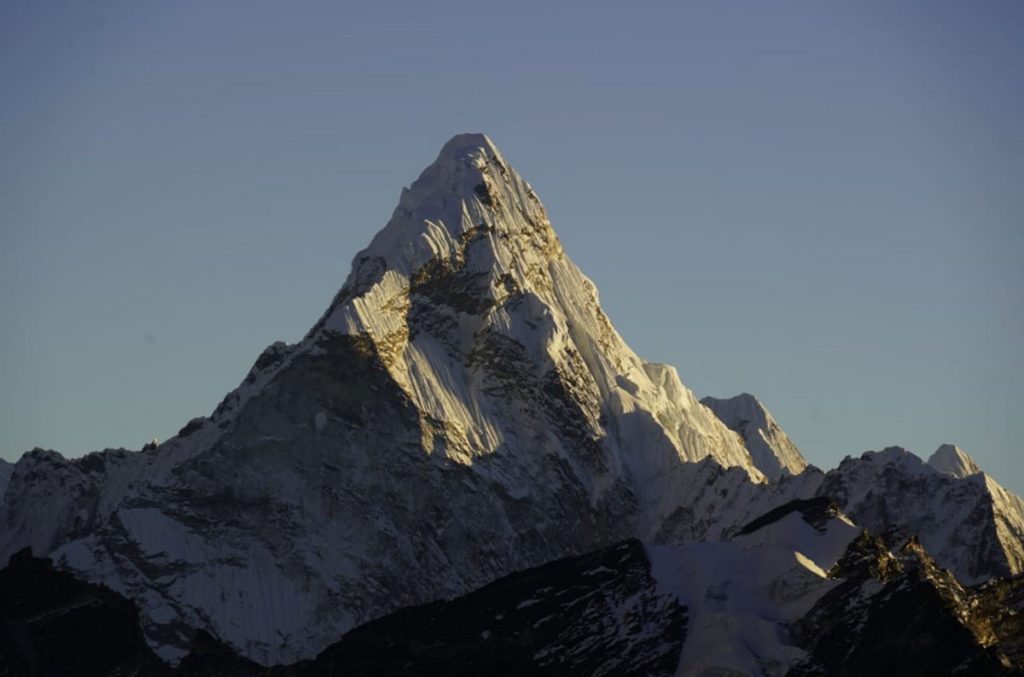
point(773, 452)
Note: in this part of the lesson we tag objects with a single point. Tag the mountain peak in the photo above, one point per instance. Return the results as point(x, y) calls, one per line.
point(468, 190)
point(467, 144)
point(773, 452)
point(469, 262)
point(464, 407)
point(950, 459)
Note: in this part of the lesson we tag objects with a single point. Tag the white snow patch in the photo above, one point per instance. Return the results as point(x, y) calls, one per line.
point(742, 595)
point(952, 460)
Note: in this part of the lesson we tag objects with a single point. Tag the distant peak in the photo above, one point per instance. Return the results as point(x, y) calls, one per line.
point(744, 404)
point(950, 459)
point(465, 144)
point(894, 454)
point(772, 451)
point(903, 458)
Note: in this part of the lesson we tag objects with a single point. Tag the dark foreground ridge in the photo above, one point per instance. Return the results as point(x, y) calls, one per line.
point(52, 623)
point(598, 613)
point(595, 614)
point(815, 511)
point(899, 614)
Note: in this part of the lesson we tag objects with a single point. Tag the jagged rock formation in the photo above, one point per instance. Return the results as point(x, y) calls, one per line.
point(5, 476)
point(799, 591)
point(970, 524)
point(464, 409)
point(597, 614)
point(1001, 602)
point(900, 614)
point(51, 623)
point(773, 452)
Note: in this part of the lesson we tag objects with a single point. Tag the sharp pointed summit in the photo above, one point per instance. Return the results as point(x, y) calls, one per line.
point(469, 186)
point(773, 452)
point(952, 460)
point(462, 410)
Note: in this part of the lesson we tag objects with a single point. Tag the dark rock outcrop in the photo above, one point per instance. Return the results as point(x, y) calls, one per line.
point(52, 623)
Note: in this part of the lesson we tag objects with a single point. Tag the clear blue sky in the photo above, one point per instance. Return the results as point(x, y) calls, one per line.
point(819, 203)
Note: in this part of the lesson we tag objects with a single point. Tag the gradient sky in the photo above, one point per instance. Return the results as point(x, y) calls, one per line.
point(819, 203)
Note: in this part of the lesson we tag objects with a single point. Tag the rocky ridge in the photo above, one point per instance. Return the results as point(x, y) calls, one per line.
point(773, 452)
point(464, 410)
point(798, 591)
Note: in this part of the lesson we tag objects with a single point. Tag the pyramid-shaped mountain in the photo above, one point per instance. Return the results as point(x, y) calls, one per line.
point(464, 409)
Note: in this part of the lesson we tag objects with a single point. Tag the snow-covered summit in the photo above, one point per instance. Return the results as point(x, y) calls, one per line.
point(904, 459)
point(773, 452)
point(952, 460)
point(446, 202)
point(463, 409)
point(469, 269)
point(970, 524)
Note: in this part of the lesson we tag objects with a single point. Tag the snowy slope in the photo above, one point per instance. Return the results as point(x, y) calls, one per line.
point(741, 595)
point(597, 615)
point(464, 409)
point(467, 278)
point(969, 524)
point(773, 452)
point(950, 459)
point(760, 604)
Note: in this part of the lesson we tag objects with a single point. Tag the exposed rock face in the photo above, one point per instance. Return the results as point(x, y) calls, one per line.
point(970, 524)
point(903, 615)
point(52, 623)
point(816, 512)
point(464, 409)
point(773, 452)
point(1001, 602)
point(797, 592)
point(597, 614)
point(5, 476)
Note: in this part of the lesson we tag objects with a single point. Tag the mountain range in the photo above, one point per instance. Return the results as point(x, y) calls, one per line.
point(462, 438)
